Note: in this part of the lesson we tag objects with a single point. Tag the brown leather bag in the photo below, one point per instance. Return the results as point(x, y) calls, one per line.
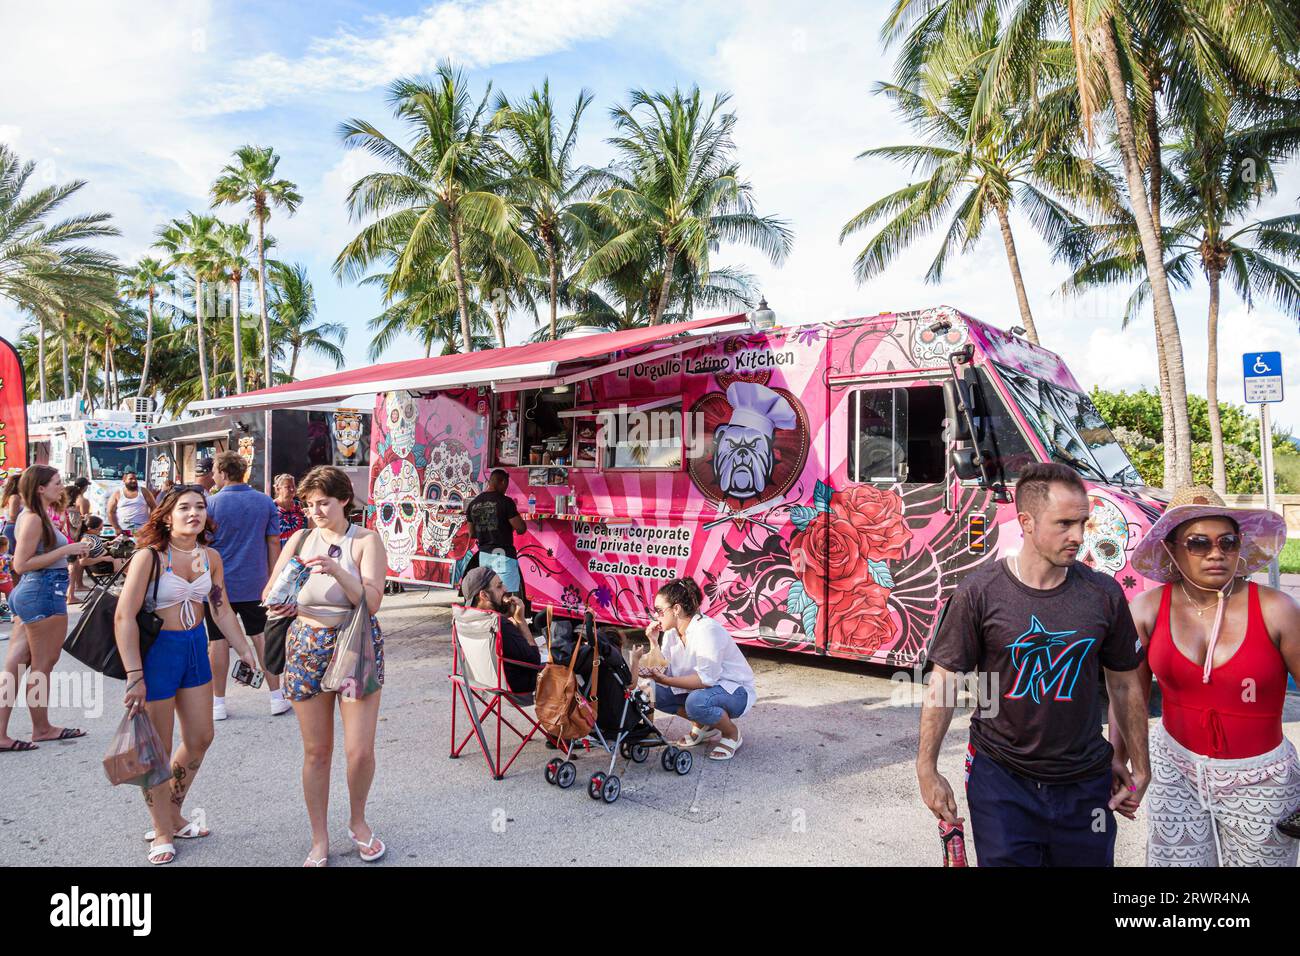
point(561, 709)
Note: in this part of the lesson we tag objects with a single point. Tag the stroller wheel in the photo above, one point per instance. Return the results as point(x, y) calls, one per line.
point(613, 786)
point(596, 784)
point(668, 757)
point(624, 751)
point(565, 774)
point(639, 753)
point(683, 762)
point(552, 766)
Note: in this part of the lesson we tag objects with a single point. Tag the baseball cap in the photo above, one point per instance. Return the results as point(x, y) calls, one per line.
point(474, 583)
point(203, 466)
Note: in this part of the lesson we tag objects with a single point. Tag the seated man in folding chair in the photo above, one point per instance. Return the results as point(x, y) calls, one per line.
point(483, 589)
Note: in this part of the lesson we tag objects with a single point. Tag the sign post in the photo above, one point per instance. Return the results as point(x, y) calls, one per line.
point(1262, 376)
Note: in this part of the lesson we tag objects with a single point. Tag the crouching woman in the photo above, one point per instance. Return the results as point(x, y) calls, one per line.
point(707, 680)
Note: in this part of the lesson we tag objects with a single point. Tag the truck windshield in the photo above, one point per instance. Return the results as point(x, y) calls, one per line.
point(1071, 428)
point(110, 462)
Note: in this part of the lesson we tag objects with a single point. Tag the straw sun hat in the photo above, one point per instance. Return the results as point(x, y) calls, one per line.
point(1263, 533)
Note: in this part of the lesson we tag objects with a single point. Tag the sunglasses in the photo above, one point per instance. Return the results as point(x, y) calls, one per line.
point(184, 489)
point(1199, 545)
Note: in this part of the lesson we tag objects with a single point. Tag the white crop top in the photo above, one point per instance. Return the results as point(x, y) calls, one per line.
point(322, 595)
point(174, 589)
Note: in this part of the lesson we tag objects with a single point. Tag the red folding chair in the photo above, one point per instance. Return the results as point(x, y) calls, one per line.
point(479, 685)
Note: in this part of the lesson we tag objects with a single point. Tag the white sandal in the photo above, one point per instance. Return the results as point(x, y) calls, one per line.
point(309, 862)
point(157, 853)
point(725, 749)
point(366, 850)
point(699, 735)
point(191, 831)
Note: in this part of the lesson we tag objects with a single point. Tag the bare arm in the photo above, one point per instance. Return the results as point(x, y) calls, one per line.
point(1144, 609)
point(518, 524)
point(112, 513)
point(224, 614)
point(148, 497)
point(374, 571)
point(936, 716)
point(27, 537)
point(272, 551)
point(1282, 619)
point(282, 558)
point(1129, 706)
point(126, 632)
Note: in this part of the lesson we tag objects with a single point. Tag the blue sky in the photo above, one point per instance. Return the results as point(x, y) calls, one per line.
point(147, 99)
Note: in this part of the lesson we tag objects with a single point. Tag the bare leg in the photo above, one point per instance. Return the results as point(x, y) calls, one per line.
point(316, 721)
point(219, 658)
point(360, 717)
point(194, 710)
point(45, 640)
point(158, 799)
point(17, 660)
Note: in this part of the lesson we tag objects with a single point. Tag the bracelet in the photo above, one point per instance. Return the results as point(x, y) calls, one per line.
point(134, 670)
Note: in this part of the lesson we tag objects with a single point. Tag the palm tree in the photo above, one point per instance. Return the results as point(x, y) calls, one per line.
point(427, 308)
point(1012, 160)
point(544, 178)
point(293, 312)
point(676, 192)
point(233, 245)
point(437, 192)
point(189, 244)
point(1210, 202)
point(251, 179)
point(142, 283)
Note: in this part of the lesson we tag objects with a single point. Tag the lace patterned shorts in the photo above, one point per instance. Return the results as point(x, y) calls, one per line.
point(308, 651)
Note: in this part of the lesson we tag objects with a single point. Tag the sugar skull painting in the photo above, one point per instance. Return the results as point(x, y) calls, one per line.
point(448, 487)
point(399, 514)
point(347, 427)
point(399, 409)
point(1105, 538)
point(931, 349)
point(742, 449)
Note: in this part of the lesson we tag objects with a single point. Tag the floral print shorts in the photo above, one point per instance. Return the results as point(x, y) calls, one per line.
point(307, 654)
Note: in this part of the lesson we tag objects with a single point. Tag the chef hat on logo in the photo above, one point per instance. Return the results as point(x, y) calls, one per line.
point(758, 407)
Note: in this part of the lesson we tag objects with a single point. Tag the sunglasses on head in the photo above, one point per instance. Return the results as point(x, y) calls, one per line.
point(1199, 545)
point(184, 489)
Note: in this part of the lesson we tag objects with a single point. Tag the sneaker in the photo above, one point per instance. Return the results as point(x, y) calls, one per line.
point(280, 706)
point(219, 710)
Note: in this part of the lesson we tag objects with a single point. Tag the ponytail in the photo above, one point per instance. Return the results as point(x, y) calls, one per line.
point(683, 591)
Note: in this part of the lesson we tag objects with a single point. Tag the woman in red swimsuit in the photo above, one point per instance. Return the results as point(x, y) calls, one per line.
point(1222, 774)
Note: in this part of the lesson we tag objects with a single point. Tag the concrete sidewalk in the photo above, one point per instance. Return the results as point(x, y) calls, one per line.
point(825, 777)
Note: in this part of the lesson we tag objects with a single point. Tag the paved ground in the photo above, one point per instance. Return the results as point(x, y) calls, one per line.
point(825, 777)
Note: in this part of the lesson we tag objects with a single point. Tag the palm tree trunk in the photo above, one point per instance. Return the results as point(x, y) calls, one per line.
point(148, 348)
point(293, 361)
point(661, 303)
point(261, 301)
point(462, 299)
point(1212, 385)
point(1155, 174)
point(63, 346)
point(85, 371)
point(40, 354)
point(203, 342)
point(1017, 279)
point(108, 396)
point(554, 268)
point(239, 338)
point(1152, 252)
point(498, 320)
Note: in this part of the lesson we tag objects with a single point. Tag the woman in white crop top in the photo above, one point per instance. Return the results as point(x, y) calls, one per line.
point(348, 565)
point(172, 680)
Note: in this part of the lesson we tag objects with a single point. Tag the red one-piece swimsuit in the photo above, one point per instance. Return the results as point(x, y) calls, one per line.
point(1239, 712)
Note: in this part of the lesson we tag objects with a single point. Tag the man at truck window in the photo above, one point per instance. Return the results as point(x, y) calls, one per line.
point(1041, 629)
point(493, 519)
point(130, 505)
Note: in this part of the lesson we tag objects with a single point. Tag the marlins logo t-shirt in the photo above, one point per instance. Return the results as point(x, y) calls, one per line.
point(1040, 655)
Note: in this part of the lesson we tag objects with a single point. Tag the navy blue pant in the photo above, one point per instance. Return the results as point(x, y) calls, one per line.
point(1016, 821)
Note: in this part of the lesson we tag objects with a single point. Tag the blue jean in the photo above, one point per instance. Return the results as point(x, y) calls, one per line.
point(40, 594)
point(1016, 821)
point(704, 706)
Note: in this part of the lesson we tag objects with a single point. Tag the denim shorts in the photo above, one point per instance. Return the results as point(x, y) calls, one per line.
point(177, 660)
point(40, 594)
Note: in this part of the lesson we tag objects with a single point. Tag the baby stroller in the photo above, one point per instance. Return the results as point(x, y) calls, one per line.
point(120, 547)
point(624, 724)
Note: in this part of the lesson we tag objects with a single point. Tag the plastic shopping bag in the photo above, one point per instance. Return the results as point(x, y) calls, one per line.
point(135, 754)
point(353, 671)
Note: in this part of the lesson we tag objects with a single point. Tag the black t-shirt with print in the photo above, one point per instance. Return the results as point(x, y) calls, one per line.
point(1040, 656)
point(490, 513)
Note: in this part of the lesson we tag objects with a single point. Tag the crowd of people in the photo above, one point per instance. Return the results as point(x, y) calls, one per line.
point(1043, 785)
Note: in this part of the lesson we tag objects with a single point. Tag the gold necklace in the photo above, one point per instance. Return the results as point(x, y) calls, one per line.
point(1200, 611)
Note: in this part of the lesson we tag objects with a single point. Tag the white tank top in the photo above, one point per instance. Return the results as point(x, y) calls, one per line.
point(174, 589)
point(322, 595)
point(132, 513)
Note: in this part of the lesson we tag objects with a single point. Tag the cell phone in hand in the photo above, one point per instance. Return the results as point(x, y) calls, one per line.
point(248, 676)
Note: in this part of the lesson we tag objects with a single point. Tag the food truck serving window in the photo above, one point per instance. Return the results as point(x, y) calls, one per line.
point(1071, 428)
point(547, 434)
point(896, 435)
point(111, 462)
point(640, 438)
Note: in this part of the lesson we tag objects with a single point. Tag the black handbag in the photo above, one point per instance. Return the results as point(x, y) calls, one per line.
point(93, 641)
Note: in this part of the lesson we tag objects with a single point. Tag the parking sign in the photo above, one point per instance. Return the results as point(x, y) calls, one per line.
point(1262, 374)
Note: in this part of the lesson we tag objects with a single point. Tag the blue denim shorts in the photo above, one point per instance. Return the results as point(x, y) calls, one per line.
point(177, 660)
point(40, 594)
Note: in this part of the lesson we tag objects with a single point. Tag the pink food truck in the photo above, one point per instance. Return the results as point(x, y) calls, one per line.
point(828, 485)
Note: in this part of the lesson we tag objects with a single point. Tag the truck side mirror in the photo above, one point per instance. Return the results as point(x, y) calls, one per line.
point(963, 463)
point(957, 429)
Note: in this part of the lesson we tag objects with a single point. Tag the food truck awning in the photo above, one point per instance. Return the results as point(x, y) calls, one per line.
point(515, 363)
point(203, 436)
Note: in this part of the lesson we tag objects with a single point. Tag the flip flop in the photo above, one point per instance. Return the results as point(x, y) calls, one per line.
point(67, 733)
point(368, 851)
point(19, 747)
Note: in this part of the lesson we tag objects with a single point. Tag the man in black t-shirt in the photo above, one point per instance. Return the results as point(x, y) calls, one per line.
point(1040, 629)
point(481, 588)
point(493, 519)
